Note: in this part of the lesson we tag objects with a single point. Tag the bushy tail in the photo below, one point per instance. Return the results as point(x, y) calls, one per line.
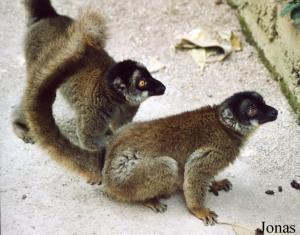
point(38, 9)
point(48, 73)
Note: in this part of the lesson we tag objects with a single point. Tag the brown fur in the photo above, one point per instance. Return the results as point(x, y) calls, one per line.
point(44, 77)
point(62, 51)
point(152, 159)
point(58, 48)
point(96, 105)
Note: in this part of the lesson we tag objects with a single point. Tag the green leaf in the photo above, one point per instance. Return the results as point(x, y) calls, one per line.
point(295, 14)
point(288, 8)
point(297, 21)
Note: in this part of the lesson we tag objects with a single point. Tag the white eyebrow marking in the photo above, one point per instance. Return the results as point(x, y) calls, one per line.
point(136, 74)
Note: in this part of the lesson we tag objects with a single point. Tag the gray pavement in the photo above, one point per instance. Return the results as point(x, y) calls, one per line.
point(58, 202)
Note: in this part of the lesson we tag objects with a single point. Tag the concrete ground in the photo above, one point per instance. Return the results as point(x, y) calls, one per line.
point(39, 197)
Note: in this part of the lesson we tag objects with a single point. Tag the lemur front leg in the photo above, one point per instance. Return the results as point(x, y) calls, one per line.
point(201, 166)
point(219, 185)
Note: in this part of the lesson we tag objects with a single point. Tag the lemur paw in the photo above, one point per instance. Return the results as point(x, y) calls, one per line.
point(155, 205)
point(206, 215)
point(217, 186)
point(94, 179)
point(28, 140)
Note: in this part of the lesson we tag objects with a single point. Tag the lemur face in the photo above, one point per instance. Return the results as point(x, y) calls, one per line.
point(249, 109)
point(244, 111)
point(133, 81)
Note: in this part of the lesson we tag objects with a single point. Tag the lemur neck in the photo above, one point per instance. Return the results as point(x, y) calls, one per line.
point(229, 121)
point(112, 94)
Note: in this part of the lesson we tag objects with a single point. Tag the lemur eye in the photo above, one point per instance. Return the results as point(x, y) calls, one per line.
point(141, 84)
point(252, 111)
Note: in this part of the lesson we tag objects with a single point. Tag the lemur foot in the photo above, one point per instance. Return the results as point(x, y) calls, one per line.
point(217, 186)
point(155, 205)
point(94, 179)
point(206, 215)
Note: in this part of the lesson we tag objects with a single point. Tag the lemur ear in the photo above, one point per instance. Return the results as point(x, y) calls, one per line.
point(119, 84)
point(227, 114)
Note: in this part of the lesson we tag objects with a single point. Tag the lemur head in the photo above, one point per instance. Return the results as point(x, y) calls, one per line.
point(245, 111)
point(133, 82)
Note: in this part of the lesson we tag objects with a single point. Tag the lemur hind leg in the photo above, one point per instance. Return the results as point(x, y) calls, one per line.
point(134, 178)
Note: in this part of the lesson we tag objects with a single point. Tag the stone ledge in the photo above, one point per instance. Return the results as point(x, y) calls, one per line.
point(277, 40)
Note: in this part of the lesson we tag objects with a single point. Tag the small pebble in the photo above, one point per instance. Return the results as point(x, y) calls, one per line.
point(218, 2)
point(24, 196)
point(279, 189)
point(270, 192)
point(295, 185)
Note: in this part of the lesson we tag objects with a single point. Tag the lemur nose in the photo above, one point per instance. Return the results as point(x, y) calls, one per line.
point(160, 90)
point(273, 113)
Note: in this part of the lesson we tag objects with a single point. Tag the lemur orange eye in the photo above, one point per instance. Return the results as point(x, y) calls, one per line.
point(141, 83)
point(252, 111)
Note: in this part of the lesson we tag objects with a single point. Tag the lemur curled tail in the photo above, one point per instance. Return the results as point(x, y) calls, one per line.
point(61, 59)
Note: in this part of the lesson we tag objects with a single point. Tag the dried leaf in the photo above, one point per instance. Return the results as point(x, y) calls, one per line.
point(199, 56)
point(288, 8)
point(236, 42)
point(239, 229)
point(212, 45)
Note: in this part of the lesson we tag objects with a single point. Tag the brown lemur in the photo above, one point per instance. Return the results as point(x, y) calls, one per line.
point(148, 160)
point(104, 94)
